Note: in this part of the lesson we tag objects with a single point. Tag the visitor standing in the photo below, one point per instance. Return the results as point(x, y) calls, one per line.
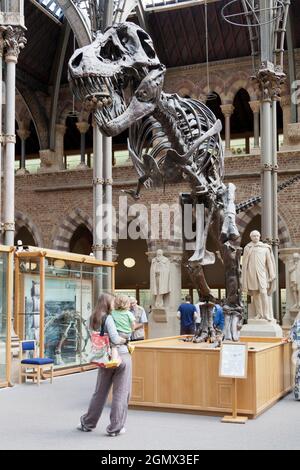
point(118, 378)
point(187, 315)
point(140, 320)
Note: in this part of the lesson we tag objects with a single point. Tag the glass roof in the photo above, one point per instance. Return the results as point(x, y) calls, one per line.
point(52, 7)
point(161, 3)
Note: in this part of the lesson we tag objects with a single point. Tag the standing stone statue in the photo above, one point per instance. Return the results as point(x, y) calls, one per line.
point(160, 278)
point(259, 276)
point(294, 274)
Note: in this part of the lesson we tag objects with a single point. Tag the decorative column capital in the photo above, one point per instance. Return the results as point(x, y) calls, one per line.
point(23, 134)
point(227, 109)
point(269, 80)
point(83, 127)
point(255, 106)
point(14, 41)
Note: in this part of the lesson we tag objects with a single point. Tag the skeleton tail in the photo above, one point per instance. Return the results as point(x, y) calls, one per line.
point(243, 206)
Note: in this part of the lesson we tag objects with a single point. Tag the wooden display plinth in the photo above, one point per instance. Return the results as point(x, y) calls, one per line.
point(175, 375)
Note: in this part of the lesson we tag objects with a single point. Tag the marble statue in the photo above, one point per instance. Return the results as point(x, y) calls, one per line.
point(160, 278)
point(259, 276)
point(294, 275)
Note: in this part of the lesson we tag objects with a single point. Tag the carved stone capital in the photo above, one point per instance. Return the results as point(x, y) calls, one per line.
point(14, 41)
point(255, 106)
point(269, 80)
point(227, 109)
point(83, 127)
point(108, 182)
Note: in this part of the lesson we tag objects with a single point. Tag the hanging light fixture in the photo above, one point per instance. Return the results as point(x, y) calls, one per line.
point(129, 263)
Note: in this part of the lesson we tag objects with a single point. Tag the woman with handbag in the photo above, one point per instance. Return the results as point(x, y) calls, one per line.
point(119, 378)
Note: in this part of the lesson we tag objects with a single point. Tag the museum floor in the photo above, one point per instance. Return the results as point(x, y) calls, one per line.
point(45, 417)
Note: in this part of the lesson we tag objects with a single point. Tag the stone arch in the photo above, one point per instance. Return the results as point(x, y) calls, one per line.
point(37, 113)
point(234, 84)
point(22, 220)
point(76, 21)
point(65, 231)
point(187, 88)
point(245, 218)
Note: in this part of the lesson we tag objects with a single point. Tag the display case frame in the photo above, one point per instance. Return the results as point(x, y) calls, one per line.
point(45, 259)
point(9, 252)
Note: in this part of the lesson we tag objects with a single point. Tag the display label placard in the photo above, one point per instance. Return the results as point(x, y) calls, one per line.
point(234, 360)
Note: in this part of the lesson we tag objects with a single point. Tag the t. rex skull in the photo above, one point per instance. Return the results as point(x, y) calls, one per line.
point(119, 76)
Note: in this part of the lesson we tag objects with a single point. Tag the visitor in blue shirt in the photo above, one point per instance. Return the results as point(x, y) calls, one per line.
point(187, 315)
point(218, 317)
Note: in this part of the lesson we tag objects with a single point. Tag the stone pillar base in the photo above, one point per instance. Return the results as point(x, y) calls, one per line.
point(82, 166)
point(164, 329)
point(262, 328)
point(22, 172)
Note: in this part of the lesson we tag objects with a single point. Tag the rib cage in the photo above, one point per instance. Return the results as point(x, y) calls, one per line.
point(176, 124)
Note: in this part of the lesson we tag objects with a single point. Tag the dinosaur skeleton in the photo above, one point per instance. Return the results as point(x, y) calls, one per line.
point(120, 78)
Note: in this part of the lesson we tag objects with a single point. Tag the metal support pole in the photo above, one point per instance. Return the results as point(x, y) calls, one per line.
point(108, 181)
point(83, 127)
point(107, 160)
point(98, 193)
point(275, 240)
point(97, 208)
point(256, 130)
point(266, 153)
point(82, 149)
point(23, 134)
point(1, 133)
point(9, 174)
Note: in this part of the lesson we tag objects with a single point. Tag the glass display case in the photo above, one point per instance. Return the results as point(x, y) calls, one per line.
point(6, 276)
point(55, 296)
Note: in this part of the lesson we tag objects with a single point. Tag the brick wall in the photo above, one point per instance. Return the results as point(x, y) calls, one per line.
point(47, 200)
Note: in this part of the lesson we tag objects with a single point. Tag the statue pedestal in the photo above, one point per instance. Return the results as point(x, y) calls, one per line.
point(262, 328)
point(163, 326)
point(159, 315)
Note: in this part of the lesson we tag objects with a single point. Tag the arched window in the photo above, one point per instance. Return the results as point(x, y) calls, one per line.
point(81, 241)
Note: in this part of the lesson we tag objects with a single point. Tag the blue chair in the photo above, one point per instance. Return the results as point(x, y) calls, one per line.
point(33, 368)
